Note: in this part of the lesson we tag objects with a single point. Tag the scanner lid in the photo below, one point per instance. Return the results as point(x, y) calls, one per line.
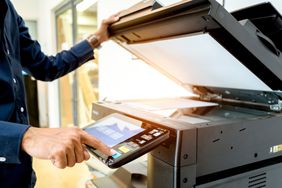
point(198, 43)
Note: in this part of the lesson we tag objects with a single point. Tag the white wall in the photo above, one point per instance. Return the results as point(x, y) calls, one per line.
point(27, 8)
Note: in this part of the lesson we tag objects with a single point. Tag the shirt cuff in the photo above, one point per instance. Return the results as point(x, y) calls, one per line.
point(83, 51)
point(11, 135)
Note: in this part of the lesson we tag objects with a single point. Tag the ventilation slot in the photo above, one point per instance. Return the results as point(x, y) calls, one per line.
point(258, 181)
point(136, 35)
point(123, 39)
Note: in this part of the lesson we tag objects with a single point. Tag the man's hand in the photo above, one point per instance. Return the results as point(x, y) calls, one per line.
point(63, 146)
point(102, 34)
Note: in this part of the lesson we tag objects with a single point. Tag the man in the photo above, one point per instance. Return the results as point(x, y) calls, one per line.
point(19, 142)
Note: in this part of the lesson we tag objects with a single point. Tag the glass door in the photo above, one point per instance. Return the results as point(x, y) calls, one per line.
point(87, 75)
point(75, 21)
point(64, 23)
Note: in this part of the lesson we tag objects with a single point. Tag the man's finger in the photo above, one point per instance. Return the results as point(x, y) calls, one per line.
point(118, 13)
point(58, 164)
point(79, 153)
point(60, 160)
point(95, 143)
point(111, 19)
point(71, 158)
point(86, 155)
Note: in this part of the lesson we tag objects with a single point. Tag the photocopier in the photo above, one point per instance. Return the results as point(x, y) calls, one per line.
point(228, 133)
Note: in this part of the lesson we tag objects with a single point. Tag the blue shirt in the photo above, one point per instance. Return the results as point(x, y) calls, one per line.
point(19, 52)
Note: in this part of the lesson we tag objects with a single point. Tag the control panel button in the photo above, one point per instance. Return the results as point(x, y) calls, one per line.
point(157, 134)
point(142, 142)
point(133, 145)
point(153, 131)
point(117, 155)
point(124, 149)
point(147, 137)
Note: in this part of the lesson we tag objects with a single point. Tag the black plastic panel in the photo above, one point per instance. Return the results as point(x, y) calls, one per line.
point(266, 18)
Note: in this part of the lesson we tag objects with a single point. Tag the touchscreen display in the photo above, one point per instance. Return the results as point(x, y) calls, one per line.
point(113, 131)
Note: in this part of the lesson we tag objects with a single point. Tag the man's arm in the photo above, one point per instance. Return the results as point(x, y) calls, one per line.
point(64, 147)
point(11, 135)
point(48, 68)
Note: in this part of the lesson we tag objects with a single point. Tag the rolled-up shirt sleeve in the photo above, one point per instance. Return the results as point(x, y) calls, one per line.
point(11, 135)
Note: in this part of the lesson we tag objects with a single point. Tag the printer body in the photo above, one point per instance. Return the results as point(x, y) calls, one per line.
point(229, 132)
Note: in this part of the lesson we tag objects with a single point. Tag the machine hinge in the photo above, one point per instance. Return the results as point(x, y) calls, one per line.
point(220, 99)
point(276, 107)
point(211, 97)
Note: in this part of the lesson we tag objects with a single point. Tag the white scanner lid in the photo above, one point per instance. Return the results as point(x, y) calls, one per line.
point(198, 43)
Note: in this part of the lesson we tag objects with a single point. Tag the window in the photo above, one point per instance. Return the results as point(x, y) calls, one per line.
point(79, 89)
